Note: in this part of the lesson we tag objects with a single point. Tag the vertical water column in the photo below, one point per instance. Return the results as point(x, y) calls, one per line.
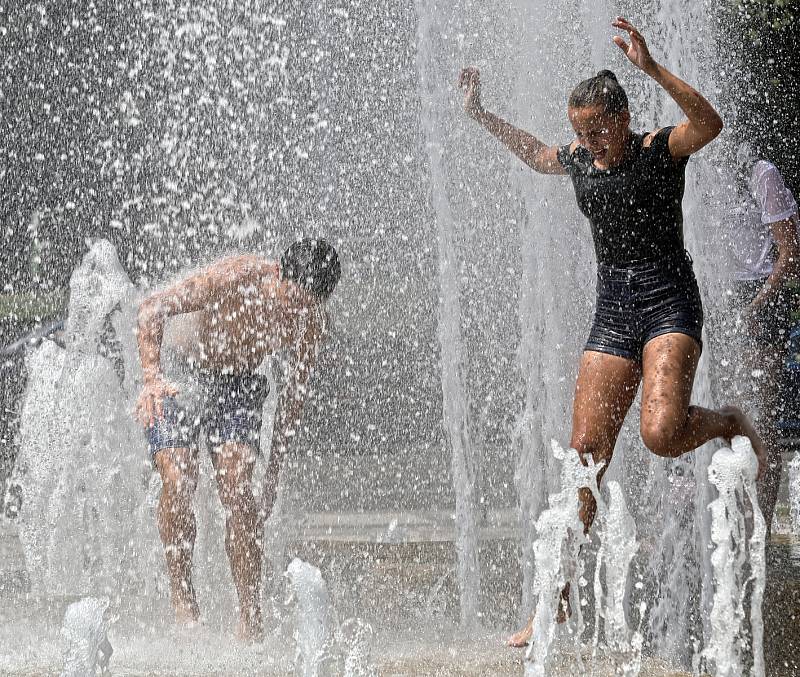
point(794, 493)
point(75, 465)
point(682, 37)
point(559, 540)
point(454, 404)
point(557, 258)
point(737, 560)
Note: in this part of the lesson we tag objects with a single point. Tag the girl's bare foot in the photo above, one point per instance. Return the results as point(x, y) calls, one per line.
point(521, 638)
point(745, 427)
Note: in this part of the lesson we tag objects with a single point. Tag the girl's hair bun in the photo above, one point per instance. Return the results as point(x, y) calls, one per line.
point(607, 74)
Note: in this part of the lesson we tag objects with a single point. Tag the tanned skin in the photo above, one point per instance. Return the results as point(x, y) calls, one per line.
point(606, 385)
point(230, 316)
point(768, 357)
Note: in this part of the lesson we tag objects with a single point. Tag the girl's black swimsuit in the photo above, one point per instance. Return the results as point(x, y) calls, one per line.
point(645, 283)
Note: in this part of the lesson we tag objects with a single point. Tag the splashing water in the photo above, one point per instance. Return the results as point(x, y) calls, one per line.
point(559, 538)
point(356, 637)
point(794, 492)
point(733, 472)
point(79, 479)
point(314, 625)
point(558, 561)
point(617, 550)
point(85, 632)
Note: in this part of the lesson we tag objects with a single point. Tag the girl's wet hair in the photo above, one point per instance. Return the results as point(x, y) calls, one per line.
point(601, 90)
point(312, 264)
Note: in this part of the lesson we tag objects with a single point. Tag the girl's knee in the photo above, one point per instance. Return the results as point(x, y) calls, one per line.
point(660, 436)
point(589, 448)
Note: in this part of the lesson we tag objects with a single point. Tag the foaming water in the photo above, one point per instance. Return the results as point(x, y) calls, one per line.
point(559, 539)
point(325, 648)
point(314, 623)
point(738, 563)
point(558, 561)
point(85, 632)
point(357, 637)
point(618, 547)
point(80, 482)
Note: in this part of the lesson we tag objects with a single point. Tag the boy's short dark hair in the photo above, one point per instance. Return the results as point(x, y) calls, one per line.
point(312, 264)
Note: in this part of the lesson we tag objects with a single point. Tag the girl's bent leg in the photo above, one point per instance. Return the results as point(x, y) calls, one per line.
point(670, 426)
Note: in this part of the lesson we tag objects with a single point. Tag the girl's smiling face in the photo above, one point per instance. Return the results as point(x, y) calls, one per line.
point(603, 134)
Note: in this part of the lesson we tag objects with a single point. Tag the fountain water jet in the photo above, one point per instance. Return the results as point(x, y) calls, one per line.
point(454, 392)
point(80, 482)
point(617, 550)
point(314, 624)
point(85, 631)
point(356, 637)
point(559, 538)
point(794, 492)
point(733, 472)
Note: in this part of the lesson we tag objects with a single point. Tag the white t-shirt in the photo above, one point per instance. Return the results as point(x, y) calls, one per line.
point(771, 202)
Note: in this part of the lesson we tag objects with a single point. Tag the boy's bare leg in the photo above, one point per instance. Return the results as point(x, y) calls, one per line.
point(176, 525)
point(269, 492)
point(234, 463)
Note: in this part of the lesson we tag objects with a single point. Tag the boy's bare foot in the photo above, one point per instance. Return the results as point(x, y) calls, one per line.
point(250, 629)
point(521, 638)
point(186, 612)
point(745, 428)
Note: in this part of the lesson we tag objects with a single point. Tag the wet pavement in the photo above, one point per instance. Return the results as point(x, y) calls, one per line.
point(782, 608)
point(396, 570)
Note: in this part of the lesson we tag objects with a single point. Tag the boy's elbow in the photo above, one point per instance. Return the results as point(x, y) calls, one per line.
point(148, 311)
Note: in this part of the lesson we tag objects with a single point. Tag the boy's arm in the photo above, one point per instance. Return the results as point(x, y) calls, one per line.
point(199, 291)
point(786, 266)
point(294, 394)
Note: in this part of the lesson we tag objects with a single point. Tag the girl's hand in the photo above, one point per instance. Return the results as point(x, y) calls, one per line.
point(470, 80)
point(637, 52)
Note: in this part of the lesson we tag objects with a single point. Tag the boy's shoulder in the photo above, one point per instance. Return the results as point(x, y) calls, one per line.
point(241, 266)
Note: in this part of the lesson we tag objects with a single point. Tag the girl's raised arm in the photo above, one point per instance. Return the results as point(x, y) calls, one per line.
point(703, 123)
point(525, 146)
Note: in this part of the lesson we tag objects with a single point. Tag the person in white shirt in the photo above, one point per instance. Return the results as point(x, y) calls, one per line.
point(766, 247)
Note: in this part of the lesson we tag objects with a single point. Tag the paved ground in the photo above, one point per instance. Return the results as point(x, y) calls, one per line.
point(400, 564)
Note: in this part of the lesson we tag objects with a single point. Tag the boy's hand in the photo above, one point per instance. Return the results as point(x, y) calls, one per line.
point(150, 405)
